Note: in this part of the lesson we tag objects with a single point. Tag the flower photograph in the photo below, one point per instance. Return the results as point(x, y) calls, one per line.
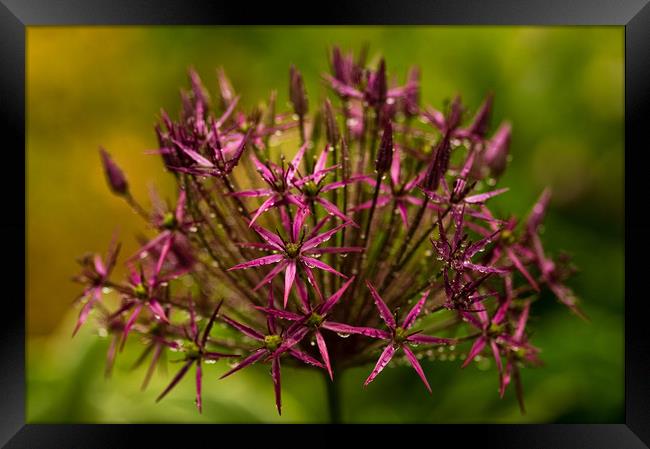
point(324, 224)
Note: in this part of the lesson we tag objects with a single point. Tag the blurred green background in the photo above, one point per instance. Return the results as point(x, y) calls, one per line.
point(561, 87)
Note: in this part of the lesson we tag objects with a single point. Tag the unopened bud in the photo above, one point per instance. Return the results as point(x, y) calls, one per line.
point(496, 153)
point(331, 128)
point(114, 175)
point(297, 92)
point(385, 152)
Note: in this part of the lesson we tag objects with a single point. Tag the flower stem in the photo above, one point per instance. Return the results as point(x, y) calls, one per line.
point(333, 397)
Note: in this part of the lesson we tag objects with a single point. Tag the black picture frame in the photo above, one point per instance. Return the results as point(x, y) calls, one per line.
point(634, 15)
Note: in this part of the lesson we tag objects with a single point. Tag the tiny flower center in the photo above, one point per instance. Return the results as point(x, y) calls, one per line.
point(400, 334)
point(192, 350)
point(169, 221)
point(292, 249)
point(520, 352)
point(315, 320)
point(140, 291)
point(310, 188)
point(272, 342)
point(508, 237)
point(496, 329)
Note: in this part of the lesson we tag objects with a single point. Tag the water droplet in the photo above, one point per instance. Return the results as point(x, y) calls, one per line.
point(342, 335)
point(102, 332)
point(210, 361)
point(106, 290)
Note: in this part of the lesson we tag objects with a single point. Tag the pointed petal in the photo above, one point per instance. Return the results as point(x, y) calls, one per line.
point(252, 333)
point(252, 358)
point(346, 329)
point(384, 358)
point(322, 348)
point(263, 170)
point(331, 208)
point(484, 269)
point(269, 237)
point(208, 327)
point(395, 167)
point(152, 365)
point(416, 365)
point(415, 311)
point(497, 359)
point(428, 340)
point(283, 314)
point(271, 275)
point(176, 379)
point(336, 249)
point(252, 193)
point(266, 260)
point(401, 207)
point(305, 358)
point(477, 347)
point(521, 323)
point(384, 311)
point(298, 223)
point(322, 238)
point(311, 262)
point(483, 197)
point(157, 310)
point(303, 296)
point(85, 311)
point(522, 269)
point(266, 205)
point(332, 300)
point(131, 321)
point(289, 276)
point(199, 375)
point(275, 373)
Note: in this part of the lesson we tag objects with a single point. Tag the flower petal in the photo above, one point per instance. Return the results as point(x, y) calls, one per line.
point(384, 311)
point(416, 365)
point(415, 311)
point(384, 358)
point(266, 260)
point(345, 329)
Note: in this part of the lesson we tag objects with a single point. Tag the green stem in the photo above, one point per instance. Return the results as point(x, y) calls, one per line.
point(333, 397)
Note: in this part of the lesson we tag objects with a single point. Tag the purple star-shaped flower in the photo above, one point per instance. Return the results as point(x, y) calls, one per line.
point(195, 352)
point(298, 251)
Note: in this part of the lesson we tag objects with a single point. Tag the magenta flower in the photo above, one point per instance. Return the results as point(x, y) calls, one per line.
point(296, 252)
point(95, 273)
point(280, 183)
point(311, 319)
point(271, 342)
point(195, 353)
point(398, 191)
point(495, 333)
point(397, 335)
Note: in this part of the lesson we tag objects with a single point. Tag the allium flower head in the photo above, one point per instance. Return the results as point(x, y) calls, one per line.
point(330, 238)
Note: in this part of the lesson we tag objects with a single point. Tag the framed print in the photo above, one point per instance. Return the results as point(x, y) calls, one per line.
point(415, 213)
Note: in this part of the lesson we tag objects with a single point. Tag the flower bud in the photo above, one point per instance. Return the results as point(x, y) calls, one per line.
point(114, 175)
point(331, 128)
point(479, 126)
point(412, 95)
point(377, 87)
point(385, 152)
point(439, 165)
point(496, 153)
point(297, 92)
point(455, 113)
point(226, 90)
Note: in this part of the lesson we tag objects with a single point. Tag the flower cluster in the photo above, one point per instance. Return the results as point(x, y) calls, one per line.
point(357, 232)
